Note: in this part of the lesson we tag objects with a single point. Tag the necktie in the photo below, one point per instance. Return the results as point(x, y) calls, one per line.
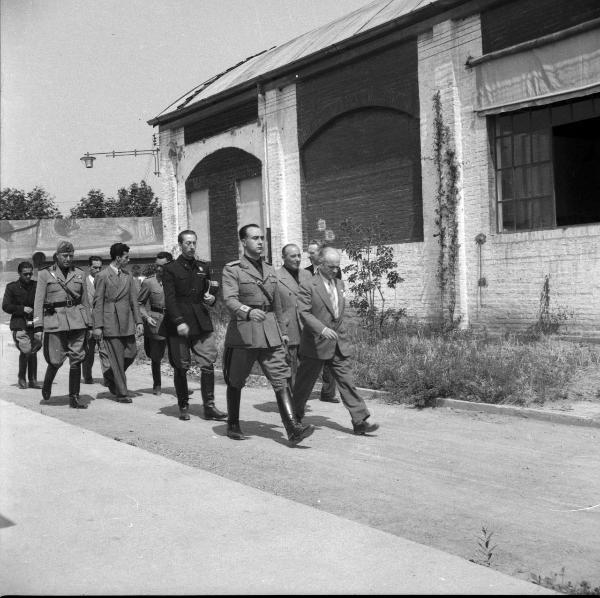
point(333, 297)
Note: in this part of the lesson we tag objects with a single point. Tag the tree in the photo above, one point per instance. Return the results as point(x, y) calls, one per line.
point(372, 266)
point(15, 204)
point(95, 205)
point(138, 200)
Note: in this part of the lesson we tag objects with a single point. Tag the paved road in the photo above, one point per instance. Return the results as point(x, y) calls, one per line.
point(432, 477)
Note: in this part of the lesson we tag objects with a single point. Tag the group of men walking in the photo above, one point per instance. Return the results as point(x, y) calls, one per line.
point(290, 320)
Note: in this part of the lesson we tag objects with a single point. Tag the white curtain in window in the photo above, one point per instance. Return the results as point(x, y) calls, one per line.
point(557, 71)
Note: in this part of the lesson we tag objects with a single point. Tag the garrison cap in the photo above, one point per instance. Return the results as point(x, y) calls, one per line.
point(65, 247)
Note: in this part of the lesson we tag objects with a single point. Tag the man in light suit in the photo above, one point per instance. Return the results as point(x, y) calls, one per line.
point(95, 263)
point(328, 386)
point(325, 340)
point(117, 320)
point(290, 277)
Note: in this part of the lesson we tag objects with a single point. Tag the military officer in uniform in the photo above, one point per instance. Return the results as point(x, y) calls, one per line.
point(188, 290)
point(18, 302)
point(254, 333)
point(152, 307)
point(62, 311)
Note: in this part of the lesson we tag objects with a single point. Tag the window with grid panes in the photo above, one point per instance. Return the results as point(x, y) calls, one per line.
point(548, 166)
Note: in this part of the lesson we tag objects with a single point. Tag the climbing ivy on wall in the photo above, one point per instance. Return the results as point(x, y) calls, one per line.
point(446, 217)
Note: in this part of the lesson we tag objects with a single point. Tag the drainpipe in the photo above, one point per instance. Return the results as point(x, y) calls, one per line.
point(267, 199)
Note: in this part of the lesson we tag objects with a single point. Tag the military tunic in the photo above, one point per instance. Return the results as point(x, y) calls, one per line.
point(152, 305)
point(247, 341)
point(63, 315)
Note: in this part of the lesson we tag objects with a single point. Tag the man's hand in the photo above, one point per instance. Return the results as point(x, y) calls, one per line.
point(97, 334)
point(183, 329)
point(38, 336)
point(151, 321)
point(139, 329)
point(286, 339)
point(330, 334)
point(258, 315)
point(208, 298)
point(28, 310)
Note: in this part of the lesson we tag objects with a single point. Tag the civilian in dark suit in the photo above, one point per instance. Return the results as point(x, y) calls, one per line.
point(117, 320)
point(325, 339)
point(152, 307)
point(290, 277)
point(328, 386)
point(188, 327)
point(18, 301)
point(95, 263)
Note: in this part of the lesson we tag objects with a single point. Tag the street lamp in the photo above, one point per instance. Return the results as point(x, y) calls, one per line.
point(88, 159)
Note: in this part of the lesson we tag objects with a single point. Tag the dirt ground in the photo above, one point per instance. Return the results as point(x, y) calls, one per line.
point(434, 476)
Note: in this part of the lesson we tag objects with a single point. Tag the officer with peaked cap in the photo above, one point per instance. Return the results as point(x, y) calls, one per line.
point(62, 312)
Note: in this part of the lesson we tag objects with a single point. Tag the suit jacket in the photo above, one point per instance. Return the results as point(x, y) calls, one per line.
point(288, 293)
point(184, 284)
point(17, 296)
point(50, 290)
point(316, 312)
point(116, 308)
point(241, 290)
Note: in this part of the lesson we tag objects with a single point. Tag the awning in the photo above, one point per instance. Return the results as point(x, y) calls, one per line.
point(556, 71)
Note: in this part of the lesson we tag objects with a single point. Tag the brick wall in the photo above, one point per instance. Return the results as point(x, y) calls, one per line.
point(358, 129)
point(522, 20)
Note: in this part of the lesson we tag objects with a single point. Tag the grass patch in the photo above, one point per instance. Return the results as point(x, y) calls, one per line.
point(417, 364)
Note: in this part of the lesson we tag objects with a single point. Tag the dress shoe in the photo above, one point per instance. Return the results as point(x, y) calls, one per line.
point(22, 383)
point(329, 399)
point(184, 413)
point(88, 380)
point(34, 384)
point(299, 433)
point(156, 390)
point(211, 412)
point(45, 395)
point(75, 404)
point(364, 427)
point(124, 399)
point(235, 432)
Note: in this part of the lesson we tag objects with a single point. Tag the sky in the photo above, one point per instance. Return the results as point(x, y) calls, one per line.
point(81, 77)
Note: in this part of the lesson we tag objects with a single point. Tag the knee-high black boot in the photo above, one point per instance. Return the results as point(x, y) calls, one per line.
point(74, 383)
point(207, 383)
point(156, 377)
point(21, 382)
point(32, 371)
point(234, 396)
point(295, 431)
point(48, 379)
point(181, 389)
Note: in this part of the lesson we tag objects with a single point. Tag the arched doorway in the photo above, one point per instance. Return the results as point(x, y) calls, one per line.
point(224, 192)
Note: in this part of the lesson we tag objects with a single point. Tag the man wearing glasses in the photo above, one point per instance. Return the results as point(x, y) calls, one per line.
point(95, 264)
point(62, 312)
point(18, 301)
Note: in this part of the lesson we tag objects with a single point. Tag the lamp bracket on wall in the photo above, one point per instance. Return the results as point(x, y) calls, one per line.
point(88, 158)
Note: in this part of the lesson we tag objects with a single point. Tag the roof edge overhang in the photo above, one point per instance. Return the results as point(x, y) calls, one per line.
point(412, 24)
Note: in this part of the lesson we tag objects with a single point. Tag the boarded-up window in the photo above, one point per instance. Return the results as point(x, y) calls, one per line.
point(199, 221)
point(364, 163)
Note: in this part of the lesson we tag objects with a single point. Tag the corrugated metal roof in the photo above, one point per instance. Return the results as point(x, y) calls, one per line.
point(368, 17)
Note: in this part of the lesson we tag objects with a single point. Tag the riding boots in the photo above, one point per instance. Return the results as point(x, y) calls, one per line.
point(207, 383)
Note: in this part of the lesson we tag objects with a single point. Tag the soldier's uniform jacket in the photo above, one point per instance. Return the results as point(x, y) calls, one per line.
point(184, 284)
point(241, 292)
point(152, 304)
point(288, 292)
point(55, 310)
point(17, 296)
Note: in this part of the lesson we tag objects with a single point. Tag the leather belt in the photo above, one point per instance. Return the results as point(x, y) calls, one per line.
point(162, 310)
point(265, 308)
point(67, 303)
